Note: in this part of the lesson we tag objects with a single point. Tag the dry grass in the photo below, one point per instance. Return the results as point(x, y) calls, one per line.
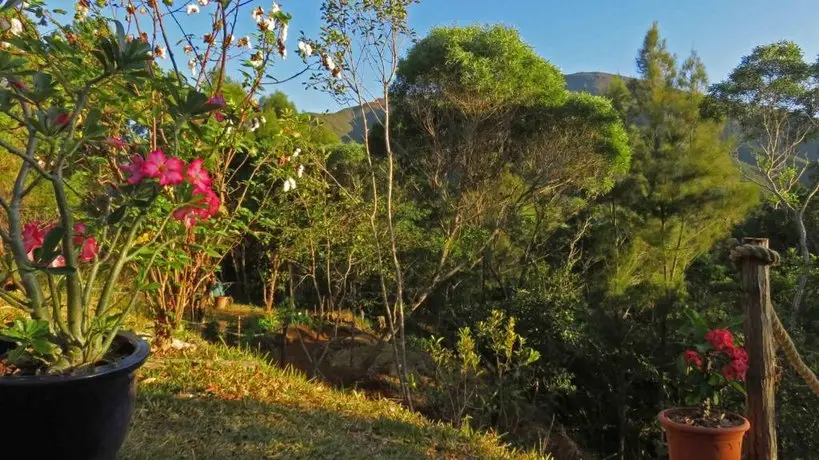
point(217, 402)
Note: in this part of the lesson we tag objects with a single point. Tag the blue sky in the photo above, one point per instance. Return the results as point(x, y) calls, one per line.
point(589, 35)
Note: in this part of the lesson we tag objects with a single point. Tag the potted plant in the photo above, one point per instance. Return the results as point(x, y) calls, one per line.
point(703, 431)
point(66, 369)
point(219, 294)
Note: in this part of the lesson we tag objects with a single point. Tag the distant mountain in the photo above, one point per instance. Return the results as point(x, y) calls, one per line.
point(348, 123)
point(590, 82)
point(349, 126)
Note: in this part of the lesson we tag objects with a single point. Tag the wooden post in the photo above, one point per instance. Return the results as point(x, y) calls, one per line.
point(759, 342)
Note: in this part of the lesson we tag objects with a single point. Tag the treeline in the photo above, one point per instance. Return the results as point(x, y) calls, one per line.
point(543, 246)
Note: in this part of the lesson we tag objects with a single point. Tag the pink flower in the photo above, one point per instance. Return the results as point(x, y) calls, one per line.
point(692, 358)
point(167, 170)
point(89, 250)
point(187, 215)
point(197, 176)
point(737, 354)
point(213, 203)
point(58, 261)
point(720, 339)
point(735, 370)
point(134, 169)
point(33, 236)
point(219, 116)
point(61, 119)
point(217, 99)
point(116, 142)
point(79, 233)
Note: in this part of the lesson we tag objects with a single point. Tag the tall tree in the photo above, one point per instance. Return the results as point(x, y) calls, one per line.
point(772, 95)
point(682, 194)
point(494, 147)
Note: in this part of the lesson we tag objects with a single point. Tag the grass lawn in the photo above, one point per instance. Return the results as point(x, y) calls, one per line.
point(217, 402)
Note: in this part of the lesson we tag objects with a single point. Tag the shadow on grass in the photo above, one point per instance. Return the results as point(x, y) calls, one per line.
point(166, 427)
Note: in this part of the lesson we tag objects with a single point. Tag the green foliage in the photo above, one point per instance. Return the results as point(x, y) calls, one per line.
point(487, 379)
point(271, 323)
point(483, 67)
point(34, 344)
point(683, 191)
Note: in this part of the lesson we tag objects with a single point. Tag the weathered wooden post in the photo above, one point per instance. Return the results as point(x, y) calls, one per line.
point(759, 342)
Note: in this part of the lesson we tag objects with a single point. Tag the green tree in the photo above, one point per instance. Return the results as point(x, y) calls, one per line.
point(772, 95)
point(682, 194)
point(497, 150)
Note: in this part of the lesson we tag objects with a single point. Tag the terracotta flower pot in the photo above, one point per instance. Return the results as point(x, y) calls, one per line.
point(222, 302)
point(688, 442)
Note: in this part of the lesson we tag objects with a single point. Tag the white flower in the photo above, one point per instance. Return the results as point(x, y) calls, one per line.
point(246, 42)
point(296, 153)
point(82, 9)
point(283, 52)
point(300, 172)
point(192, 64)
point(328, 62)
point(188, 49)
point(230, 39)
point(204, 2)
point(305, 49)
point(274, 8)
point(192, 9)
point(15, 26)
point(257, 14)
point(160, 52)
point(257, 60)
point(254, 124)
point(289, 184)
point(268, 24)
point(283, 33)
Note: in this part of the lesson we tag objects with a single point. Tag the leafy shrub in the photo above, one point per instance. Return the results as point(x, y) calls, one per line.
point(487, 377)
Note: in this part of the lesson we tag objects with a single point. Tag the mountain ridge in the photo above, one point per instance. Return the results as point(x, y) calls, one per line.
point(349, 126)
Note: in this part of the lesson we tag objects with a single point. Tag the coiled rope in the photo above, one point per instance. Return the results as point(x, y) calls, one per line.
point(765, 256)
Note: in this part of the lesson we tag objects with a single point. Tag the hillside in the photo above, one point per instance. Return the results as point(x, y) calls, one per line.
point(347, 123)
point(217, 402)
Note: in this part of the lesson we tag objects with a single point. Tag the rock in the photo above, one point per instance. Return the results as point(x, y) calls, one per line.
point(177, 344)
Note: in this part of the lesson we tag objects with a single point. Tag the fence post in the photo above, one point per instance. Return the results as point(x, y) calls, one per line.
point(759, 342)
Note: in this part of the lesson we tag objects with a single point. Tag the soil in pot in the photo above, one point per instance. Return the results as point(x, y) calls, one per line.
point(692, 435)
point(82, 416)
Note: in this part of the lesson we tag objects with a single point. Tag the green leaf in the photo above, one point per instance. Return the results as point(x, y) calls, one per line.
point(42, 346)
point(739, 387)
point(43, 87)
point(116, 216)
point(120, 34)
point(36, 328)
point(49, 248)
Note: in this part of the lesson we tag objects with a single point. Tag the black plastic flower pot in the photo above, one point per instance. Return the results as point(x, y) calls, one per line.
point(71, 417)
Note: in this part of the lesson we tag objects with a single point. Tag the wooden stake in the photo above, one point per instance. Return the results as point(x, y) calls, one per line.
point(759, 342)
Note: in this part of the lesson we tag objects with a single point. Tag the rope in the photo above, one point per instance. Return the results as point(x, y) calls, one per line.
point(765, 256)
point(785, 342)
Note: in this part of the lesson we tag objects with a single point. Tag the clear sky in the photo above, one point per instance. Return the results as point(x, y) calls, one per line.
point(589, 35)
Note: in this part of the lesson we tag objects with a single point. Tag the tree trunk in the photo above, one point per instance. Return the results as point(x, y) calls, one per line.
point(804, 252)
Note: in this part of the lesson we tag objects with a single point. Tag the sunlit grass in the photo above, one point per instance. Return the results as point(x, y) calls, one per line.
point(219, 402)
